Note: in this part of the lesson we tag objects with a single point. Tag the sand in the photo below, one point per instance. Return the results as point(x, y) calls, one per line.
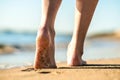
point(108, 69)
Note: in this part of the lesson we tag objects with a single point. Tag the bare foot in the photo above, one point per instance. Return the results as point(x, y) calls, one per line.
point(74, 56)
point(44, 57)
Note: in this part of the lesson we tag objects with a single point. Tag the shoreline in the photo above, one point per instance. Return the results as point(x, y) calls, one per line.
point(89, 62)
point(104, 69)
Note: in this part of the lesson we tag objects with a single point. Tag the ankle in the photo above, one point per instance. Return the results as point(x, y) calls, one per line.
point(47, 28)
point(76, 45)
point(42, 29)
point(75, 50)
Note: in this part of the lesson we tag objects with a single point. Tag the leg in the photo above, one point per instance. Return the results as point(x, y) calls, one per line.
point(44, 57)
point(83, 15)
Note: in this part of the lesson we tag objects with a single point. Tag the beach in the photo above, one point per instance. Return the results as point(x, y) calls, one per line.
point(23, 28)
point(104, 69)
point(101, 51)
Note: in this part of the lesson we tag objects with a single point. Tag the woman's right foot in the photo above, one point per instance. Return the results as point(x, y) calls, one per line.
point(74, 56)
point(44, 56)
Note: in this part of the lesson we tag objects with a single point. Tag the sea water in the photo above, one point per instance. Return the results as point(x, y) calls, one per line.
point(93, 49)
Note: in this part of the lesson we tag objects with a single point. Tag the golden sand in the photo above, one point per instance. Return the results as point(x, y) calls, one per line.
point(108, 69)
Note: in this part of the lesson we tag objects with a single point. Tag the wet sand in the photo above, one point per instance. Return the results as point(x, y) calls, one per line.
point(105, 69)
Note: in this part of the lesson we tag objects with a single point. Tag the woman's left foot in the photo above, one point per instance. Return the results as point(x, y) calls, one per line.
point(44, 57)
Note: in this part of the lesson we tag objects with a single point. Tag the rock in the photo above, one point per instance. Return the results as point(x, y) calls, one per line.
point(6, 49)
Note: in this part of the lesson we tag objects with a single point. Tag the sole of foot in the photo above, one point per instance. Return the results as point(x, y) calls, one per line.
point(43, 53)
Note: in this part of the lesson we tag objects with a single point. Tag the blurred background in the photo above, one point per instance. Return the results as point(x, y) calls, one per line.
point(20, 19)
